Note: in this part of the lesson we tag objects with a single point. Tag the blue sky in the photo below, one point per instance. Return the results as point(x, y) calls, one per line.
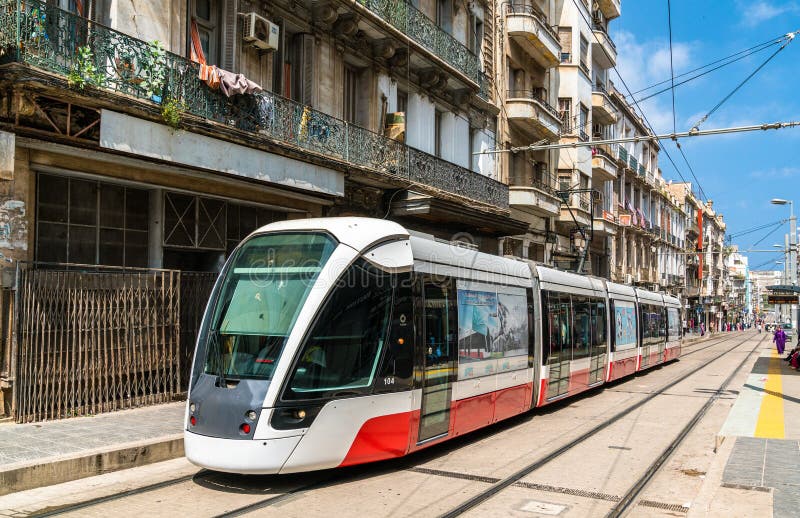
point(741, 173)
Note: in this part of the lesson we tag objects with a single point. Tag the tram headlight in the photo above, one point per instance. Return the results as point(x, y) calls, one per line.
point(251, 415)
point(192, 407)
point(299, 414)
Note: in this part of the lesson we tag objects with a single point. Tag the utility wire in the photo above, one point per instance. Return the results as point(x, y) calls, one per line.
point(671, 67)
point(681, 83)
point(755, 229)
point(622, 80)
point(725, 61)
point(777, 227)
point(789, 39)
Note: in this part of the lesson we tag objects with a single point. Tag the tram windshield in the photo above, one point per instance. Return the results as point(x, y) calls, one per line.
point(263, 292)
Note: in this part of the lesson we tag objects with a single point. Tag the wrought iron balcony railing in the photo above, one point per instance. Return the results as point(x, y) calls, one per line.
point(412, 22)
point(60, 42)
point(543, 181)
point(537, 94)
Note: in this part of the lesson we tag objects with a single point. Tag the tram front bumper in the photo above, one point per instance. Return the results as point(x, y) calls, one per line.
point(245, 456)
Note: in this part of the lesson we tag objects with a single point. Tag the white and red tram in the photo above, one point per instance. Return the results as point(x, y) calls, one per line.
point(338, 341)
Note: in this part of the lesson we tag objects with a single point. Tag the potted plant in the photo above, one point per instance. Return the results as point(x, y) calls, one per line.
point(152, 71)
point(84, 72)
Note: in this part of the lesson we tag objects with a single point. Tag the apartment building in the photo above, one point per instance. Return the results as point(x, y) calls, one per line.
point(530, 52)
point(587, 52)
point(148, 138)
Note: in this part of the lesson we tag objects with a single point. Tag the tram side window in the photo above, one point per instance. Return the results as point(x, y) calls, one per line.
point(582, 311)
point(599, 336)
point(341, 352)
point(674, 321)
point(559, 319)
point(662, 323)
point(398, 362)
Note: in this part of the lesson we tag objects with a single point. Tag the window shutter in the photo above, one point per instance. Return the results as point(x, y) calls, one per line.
point(308, 70)
point(229, 35)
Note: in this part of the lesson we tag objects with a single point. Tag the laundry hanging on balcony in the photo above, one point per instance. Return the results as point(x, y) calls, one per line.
point(227, 82)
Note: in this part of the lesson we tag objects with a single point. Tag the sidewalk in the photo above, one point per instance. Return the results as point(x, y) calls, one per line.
point(759, 443)
point(51, 452)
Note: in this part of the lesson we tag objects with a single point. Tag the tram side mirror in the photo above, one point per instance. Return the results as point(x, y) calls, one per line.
point(403, 367)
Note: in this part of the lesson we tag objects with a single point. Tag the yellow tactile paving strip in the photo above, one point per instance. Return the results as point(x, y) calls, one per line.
point(770, 415)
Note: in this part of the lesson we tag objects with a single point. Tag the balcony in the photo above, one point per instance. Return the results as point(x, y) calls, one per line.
point(528, 26)
point(260, 120)
point(535, 195)
point(604, 167)
point(530, 112)
point(633, 163)
point(423, 31)
point(604, 52)
point(577, 205)
point(605, 223)
point(622, 155)
point(603, 111)
point(609, 8)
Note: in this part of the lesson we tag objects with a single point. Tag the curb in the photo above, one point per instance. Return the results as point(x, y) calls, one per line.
point(57, 470)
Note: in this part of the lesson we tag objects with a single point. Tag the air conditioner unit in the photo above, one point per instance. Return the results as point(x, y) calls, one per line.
point(260, 32)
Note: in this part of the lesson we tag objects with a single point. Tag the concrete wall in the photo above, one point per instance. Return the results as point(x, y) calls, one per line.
point(17, 200)
point(145, 19)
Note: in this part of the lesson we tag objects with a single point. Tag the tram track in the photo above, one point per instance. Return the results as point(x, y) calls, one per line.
point(518, 475)
point(296, 491)
point(630, 498)
point(71, 508)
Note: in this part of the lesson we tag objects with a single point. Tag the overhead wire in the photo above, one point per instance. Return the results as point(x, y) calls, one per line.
point(649, 125)
point(681, 83)
point(671, 66)
point(789, 39)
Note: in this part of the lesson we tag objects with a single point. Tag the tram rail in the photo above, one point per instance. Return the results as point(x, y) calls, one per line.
point(515, 477)
point(296, 491)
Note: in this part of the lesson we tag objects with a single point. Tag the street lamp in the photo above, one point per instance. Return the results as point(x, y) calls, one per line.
point(776, 305)
point(791, 267)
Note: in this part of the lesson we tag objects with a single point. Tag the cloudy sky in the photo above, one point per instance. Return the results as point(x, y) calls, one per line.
point(741, 173)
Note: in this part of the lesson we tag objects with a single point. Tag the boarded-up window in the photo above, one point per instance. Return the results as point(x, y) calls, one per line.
point(584, 54)
point(350, 92)
point(565, 38)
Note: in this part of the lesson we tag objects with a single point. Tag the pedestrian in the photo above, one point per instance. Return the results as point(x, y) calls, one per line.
point(779, 339)
point(702, 329)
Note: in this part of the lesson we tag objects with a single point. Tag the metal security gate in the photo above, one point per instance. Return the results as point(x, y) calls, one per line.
point(195, 290)
point(95, 339)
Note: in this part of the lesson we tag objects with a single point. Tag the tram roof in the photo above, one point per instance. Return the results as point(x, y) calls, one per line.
point(550, 277)
point(449, 254)
point(357, 233)
point(649, 295)
point(620, 289)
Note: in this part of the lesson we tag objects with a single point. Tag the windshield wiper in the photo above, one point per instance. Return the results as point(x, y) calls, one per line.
point(214, 335)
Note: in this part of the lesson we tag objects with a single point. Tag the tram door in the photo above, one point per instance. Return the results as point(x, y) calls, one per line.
point(439, 327)
point(597, 365)
point(559, 325)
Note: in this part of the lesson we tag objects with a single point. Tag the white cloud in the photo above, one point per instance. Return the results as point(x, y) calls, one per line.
point(754, 13)
point(777, 173)
point(645, 63)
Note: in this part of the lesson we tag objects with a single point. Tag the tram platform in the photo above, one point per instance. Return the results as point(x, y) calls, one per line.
point(758, 461)
point(51, 452)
